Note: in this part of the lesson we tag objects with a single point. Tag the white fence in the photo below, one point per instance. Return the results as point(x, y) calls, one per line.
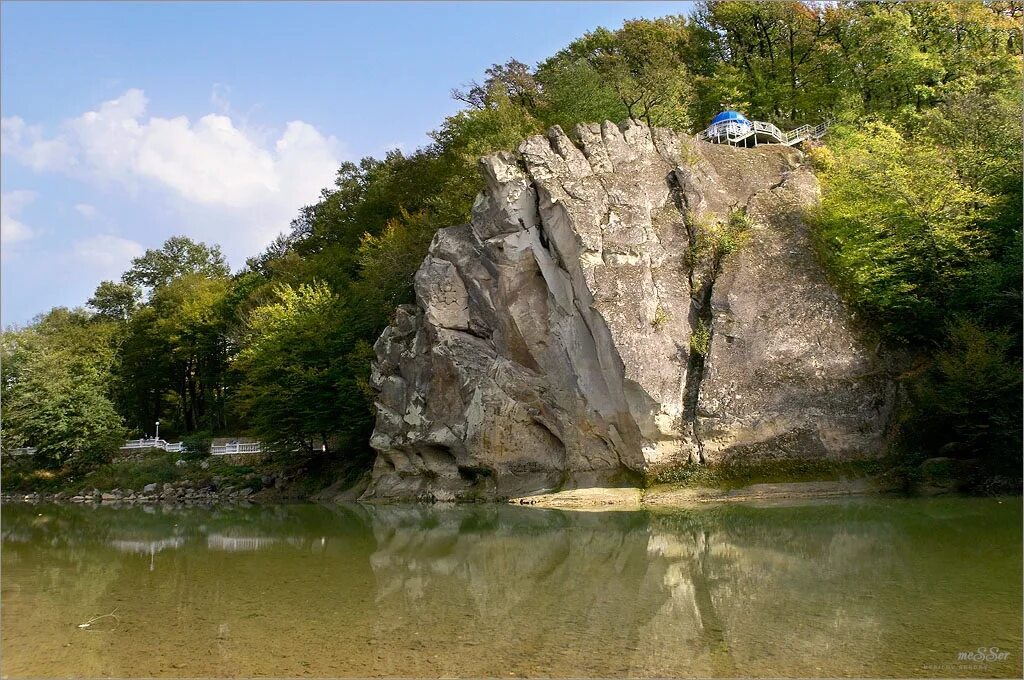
point(153, 444)
point(177, 447)
point(235, 447)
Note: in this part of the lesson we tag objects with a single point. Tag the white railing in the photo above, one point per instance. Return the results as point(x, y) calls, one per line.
point(731, 132)
point(235, 447)
point(176, 447)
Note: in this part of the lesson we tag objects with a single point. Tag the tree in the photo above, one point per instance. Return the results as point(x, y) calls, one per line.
point(642, 63)
point(176, 356)
point(773, 60)
point(574, 92)
point(899, 229)
point(57, 374)
point(291, 371)
point(513, 79)
point(178, 256)
point(114, 301)
point(971, 399)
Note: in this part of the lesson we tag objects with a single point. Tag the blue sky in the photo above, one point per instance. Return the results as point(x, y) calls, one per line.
point(127, 123)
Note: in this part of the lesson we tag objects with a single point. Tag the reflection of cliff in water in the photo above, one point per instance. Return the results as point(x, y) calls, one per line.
point(664, 593)
point(865, 588)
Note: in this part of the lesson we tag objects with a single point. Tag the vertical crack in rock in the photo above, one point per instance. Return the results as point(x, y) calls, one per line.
point(702, 288)
point(551, 340)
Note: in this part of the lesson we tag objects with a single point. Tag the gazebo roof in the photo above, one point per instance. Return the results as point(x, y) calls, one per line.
point(729, 116)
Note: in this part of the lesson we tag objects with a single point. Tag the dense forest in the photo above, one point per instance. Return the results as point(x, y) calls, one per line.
point(919, 227)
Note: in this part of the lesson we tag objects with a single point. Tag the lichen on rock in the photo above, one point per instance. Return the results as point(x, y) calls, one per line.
point(552, 343)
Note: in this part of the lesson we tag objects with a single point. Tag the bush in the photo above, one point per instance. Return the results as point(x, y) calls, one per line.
point(700, 339)
point(196, 446)
point(661, 317)
point(133, 475)
point(968, 404)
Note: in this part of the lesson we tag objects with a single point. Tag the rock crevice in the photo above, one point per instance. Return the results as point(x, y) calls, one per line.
point(596, 319)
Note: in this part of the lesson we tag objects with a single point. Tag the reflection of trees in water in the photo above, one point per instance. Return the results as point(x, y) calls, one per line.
point(480, 590)
point(155, 528)
point(201, 604)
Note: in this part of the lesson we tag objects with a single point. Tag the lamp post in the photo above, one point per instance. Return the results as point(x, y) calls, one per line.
point(158, 430)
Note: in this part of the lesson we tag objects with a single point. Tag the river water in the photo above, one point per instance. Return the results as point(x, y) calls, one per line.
point(867, 587)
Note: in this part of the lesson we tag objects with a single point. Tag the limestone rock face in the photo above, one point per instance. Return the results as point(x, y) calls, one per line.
point(640, 300)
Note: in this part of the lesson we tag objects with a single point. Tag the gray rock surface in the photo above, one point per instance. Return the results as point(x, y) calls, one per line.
point(552, 344)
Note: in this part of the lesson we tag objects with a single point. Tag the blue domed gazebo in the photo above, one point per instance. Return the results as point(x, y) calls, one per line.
point(732, 127)
point(731, 117)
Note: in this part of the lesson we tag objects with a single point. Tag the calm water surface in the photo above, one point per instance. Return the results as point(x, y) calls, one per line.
point(856, 588)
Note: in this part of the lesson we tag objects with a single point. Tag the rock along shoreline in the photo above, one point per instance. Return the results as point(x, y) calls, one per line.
point(166, 493)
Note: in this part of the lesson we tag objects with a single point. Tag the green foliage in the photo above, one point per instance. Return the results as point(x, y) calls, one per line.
point(642, 64)
point(175, 356)
point(56, 377)
point(196, 445)
point(920, 220)
point(114, 301)
point(160, 469)
point(899, 228)
point(700, 338)
point(661, 317)
point(919, 225)
point(574, 92)
point(178, 256)
point(799, 63)
point(729, 237)
point(969, 403)
point(292, 369)
point(711, 241)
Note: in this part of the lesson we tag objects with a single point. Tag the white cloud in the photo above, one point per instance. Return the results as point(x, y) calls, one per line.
point(27, 144)
point(13, 230)
point(220, 98)
point(104, 255)
point(86, 210)
point(234, 180)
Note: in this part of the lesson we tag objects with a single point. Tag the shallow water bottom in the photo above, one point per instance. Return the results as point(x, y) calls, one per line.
point(857, 587)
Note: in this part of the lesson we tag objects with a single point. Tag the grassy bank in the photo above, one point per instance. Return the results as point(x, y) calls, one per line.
point(153, 467)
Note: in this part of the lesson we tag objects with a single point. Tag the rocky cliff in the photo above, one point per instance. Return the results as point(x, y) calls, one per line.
point(633, 300)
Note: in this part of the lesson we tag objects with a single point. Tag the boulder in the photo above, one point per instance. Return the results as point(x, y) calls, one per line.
point(635, 300)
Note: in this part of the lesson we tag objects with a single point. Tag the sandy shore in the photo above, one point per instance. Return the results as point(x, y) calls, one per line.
point(630, 498)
